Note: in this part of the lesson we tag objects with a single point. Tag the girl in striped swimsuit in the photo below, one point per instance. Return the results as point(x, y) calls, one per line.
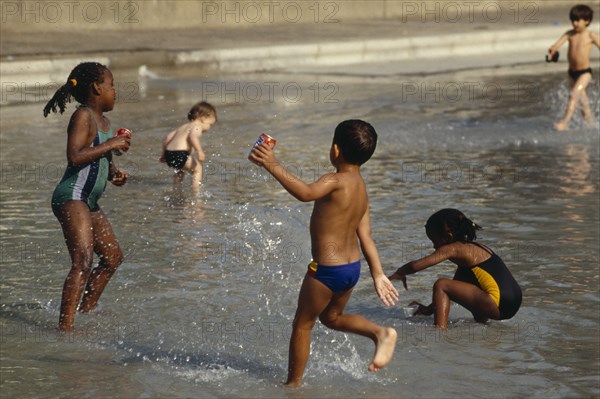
point(75, 200)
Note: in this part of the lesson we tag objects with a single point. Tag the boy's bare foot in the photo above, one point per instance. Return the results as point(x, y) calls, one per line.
point(561, 126)
point(384, 349)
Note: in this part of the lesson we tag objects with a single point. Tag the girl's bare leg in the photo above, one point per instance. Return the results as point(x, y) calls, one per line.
point(76, 222)
point(467, 295)
point(111, 256)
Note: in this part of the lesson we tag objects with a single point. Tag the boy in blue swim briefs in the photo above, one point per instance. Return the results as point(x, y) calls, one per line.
point(340, 221)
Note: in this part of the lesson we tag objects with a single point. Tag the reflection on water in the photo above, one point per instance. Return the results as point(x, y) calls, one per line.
point(202, 305)
point(577, 170)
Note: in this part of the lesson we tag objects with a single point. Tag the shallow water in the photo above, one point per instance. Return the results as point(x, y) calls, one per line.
point(203, 303)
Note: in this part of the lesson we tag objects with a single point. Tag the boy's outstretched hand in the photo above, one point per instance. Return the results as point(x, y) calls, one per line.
point(399, 276)
point(386, 290)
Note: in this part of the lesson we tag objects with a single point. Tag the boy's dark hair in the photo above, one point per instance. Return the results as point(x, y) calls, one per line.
point(202, 109)
point(452, 221)
point(78, 86)
point(581, 11)
point(356, 139)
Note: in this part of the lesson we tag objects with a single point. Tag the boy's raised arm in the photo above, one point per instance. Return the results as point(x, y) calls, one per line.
point(384, 288)
point(302, 191)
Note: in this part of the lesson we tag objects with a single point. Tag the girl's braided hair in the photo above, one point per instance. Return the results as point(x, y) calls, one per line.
point(453, 221)
point(78, 86)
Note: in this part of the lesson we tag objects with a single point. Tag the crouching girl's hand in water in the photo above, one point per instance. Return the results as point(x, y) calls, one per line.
point(398, 275)
point(422, 309)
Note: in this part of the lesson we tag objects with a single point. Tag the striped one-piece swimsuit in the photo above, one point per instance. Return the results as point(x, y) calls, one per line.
point(85, 182)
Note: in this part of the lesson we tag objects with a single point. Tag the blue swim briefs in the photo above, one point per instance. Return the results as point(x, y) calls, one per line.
point(336, 278)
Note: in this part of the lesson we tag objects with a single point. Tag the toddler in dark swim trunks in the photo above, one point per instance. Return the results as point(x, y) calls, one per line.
point(178, 145)
point(340, 221)
point(482, 283)
point(580, 45)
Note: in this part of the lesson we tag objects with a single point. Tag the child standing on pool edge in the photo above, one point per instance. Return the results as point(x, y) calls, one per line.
point(178, 145)
point(86, 229)
point(340, 221)
point(580, 45)
point(482, 283)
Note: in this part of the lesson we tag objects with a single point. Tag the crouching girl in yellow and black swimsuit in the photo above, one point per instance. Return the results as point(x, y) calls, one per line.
point(482, 283)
